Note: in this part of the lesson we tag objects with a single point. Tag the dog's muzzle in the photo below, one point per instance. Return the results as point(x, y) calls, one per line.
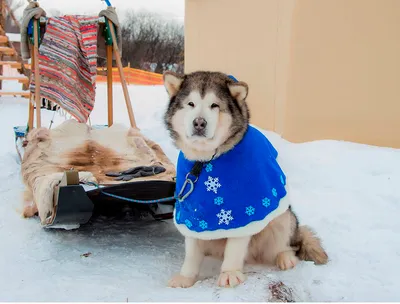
point(199, 126)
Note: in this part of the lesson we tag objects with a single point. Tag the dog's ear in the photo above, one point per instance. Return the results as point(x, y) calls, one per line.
point(172, 82)
point(239, 90)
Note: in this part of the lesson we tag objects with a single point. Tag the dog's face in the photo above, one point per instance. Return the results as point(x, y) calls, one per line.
point(206, 109)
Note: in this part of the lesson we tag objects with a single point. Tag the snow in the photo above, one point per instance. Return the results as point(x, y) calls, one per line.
point(14, 37)
point(347, 192)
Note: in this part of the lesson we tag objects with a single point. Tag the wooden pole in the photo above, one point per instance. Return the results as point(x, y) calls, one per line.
point(37, 76)
point(110, 85)
point(2, 32)
point(31, 106)
point(122, 76)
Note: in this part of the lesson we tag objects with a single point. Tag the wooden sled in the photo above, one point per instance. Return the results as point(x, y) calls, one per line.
point(74, 204)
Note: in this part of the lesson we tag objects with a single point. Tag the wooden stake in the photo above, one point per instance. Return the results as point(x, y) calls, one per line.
point(37, 76)
point(122, 76)
point(110, 85)
point(31, 106)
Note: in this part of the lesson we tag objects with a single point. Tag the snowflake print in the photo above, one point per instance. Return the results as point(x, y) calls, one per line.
point(212, 184)
point(225, 217)
point(209, 167)
point(188, 223)
point(218, 201)
point(282, 180)
point(250, 210)
point(203, 225)
point(178, 215)
point(274, 193)
point(266, 202)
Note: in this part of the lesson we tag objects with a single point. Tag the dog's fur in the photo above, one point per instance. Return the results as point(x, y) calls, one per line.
point(48, 153)
point(221, 103)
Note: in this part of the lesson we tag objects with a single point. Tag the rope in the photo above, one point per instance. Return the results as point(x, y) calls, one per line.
point(180, 197)
point(160, 200)
point(52, 120)
point(107, 2)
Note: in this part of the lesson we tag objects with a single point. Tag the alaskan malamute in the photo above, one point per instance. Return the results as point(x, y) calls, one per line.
point(233, 198)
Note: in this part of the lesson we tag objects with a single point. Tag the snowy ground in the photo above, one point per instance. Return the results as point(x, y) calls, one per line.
point(348, 192)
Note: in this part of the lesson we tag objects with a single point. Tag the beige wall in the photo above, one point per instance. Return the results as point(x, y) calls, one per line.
point(317, 69)
point(220, 38)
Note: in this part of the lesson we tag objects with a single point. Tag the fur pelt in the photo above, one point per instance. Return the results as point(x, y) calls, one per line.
point(92, 152)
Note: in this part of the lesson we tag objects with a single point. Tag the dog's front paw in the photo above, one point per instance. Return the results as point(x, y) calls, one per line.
point(231, 278)
point(286, 260)
point(179, 281)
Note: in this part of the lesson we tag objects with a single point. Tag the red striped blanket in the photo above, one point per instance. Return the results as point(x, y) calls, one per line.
point(68, 63)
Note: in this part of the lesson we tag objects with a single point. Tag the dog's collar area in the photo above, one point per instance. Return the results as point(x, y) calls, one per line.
point(194, 172)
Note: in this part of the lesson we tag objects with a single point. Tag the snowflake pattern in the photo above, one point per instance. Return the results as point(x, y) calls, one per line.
point(203, 225)
point(250, 210)
point(282, 180)
point(225, 217)
point(212, 184)
point(188, 223)
point(209, 167)
point(266, 202)
point(218, 201)
point(274, 192)
point(178, 215)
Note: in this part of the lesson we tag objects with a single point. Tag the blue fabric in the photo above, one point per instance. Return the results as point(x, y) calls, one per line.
point(239, 187)
point(233, 78)
point(20, 131)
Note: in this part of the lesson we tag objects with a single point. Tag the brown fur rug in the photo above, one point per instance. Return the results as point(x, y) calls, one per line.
point(92, 152)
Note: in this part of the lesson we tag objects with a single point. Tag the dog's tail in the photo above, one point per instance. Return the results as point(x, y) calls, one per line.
point(309, 246)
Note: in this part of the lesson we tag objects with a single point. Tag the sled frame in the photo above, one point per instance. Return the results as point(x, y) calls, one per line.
point(111, 48)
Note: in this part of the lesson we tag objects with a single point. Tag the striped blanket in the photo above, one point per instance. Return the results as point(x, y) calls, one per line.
point(68, 64)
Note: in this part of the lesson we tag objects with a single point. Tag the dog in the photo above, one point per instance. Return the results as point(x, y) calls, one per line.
point(226, 208)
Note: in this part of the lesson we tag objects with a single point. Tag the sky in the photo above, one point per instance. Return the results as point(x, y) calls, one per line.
point(173, 9)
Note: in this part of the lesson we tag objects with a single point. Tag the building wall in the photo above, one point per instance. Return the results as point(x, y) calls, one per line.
point(345, 72)
point(236, 38)
point(316, 69)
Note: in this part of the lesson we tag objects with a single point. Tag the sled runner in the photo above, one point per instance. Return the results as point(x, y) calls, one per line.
point(144, 183)
point(76, 203)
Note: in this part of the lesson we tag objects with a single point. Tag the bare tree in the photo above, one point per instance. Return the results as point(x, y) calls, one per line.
point(151, 42)
point(12, 24)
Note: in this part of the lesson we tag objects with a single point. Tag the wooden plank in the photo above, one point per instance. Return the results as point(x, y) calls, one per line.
point(13, 64)
point(7, 50)
point(3, 39)
point(19, 78)
point(22, 93)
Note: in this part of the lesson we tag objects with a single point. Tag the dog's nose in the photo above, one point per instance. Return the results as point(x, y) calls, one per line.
point(199, 124)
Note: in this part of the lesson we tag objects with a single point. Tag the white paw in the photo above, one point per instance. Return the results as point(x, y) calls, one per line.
point(286, 260)
point(179, 281)
point(231, 278)
point(87, 177)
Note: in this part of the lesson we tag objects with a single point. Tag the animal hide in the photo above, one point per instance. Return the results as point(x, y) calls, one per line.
point(92, 152)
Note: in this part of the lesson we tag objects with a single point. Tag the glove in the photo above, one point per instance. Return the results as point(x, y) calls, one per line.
point(136, 172)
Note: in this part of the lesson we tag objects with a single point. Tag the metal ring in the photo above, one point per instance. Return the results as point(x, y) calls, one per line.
point(195, 180)
point(182, 198)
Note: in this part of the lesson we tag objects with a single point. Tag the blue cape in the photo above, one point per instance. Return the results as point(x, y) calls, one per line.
point(236, 194)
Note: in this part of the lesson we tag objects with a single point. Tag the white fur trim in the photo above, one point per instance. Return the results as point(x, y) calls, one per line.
point(248, 230)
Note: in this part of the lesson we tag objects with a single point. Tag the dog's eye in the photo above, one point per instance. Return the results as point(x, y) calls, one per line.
point(191, 104)
point(214, 105)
